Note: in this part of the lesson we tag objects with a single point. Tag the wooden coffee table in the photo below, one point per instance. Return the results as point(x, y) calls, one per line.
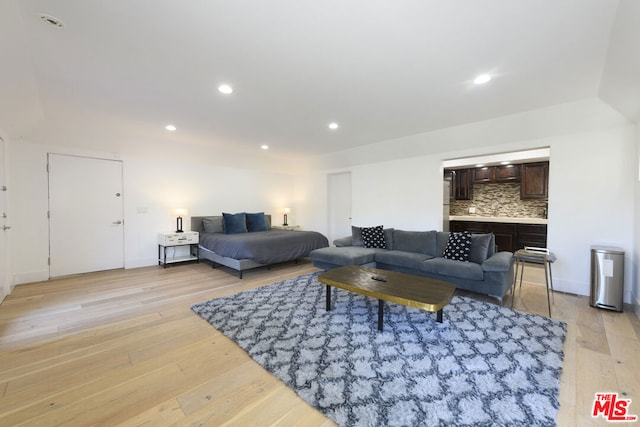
point(412, 291)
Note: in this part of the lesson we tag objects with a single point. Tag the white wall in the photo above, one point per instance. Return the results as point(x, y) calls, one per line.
point(590, 200)
point(590, 203)
point(6, 283)
point(635, 257)
point(153, 186)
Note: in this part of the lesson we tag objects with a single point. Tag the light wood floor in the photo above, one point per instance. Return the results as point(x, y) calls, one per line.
point(123, 348)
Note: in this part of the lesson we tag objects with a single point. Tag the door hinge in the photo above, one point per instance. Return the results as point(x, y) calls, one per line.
point(49, 261)
point(48, 214)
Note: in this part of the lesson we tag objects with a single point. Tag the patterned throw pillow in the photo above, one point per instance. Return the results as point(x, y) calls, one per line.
point(373, 237)
point(458, 246)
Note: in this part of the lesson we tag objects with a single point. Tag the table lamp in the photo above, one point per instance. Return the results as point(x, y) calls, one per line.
point(179, 212)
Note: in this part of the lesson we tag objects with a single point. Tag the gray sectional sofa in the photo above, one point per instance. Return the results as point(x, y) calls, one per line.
point(420, 253)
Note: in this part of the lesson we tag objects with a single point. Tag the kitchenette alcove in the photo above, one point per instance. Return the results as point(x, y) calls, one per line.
point(504, 194)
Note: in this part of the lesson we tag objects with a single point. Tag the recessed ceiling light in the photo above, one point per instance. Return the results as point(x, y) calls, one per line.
point(225, 88)
point(505, 162)
point(333, 126)
point(170, 128)
point(482, 79)
point(480, 166)
point(264, 146)
point(51, 20)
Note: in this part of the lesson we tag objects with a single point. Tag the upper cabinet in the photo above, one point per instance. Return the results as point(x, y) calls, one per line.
point(464, 184)
point(507, 173)
point(533, 179)
point(484, 174)
point(492, 174)
point(450, 176)
point(461, 183)
point(534, 182)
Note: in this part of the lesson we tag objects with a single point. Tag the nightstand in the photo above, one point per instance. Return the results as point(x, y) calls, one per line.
point(173, 240)
point(286, 227)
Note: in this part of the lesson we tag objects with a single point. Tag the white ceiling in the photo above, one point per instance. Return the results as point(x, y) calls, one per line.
point(382, 69)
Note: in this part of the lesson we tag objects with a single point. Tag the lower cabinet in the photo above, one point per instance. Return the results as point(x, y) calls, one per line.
point(509, 236)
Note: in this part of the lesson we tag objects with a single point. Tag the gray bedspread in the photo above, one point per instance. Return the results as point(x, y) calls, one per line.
point(264, 247)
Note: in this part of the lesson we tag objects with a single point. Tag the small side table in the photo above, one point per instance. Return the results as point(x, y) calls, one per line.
point(522, 256)
point(286, 227)
point(172, 240)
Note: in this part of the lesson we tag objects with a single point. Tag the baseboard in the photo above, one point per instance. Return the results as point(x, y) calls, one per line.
point(142, 262)
point(571, 287)
point(30, 277)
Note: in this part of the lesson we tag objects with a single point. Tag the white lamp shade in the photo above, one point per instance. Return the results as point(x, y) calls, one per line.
point(180, 212)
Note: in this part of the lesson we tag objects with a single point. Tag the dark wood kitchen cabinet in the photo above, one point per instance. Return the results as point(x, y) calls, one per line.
point(461, 183)
point(507, 173)
point(484, 175)
point(495, 174)
point(506, 235)
point(509, 236)
point(532, 235)
point(534, 180)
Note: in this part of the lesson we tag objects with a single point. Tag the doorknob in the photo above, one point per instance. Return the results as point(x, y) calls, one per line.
point(5, 227)
point(117, 222)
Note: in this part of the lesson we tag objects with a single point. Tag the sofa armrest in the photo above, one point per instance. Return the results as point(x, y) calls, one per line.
point(344, 241)
point(501, 261)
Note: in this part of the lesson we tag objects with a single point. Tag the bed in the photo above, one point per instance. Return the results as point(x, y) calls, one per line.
point(247, 250)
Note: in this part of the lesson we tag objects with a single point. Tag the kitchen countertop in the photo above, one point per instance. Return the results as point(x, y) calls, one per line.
point(497, 219)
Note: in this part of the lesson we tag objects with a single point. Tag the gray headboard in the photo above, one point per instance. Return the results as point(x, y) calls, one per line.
point(196, 221)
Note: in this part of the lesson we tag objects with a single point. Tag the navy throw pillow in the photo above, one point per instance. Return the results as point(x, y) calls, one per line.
point(256, 222)
point(234, 223)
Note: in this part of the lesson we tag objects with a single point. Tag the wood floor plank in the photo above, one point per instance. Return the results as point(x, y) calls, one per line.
point(123, 347)
point(166, 413)
point(591, 332)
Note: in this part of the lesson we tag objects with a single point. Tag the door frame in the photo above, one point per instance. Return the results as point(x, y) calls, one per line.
point(49, 154)
point(330, 231)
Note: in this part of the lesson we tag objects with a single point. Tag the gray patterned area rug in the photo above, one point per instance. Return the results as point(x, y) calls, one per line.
point(484, 365)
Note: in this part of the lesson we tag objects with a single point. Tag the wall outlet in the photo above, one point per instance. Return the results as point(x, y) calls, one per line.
point(472, 210)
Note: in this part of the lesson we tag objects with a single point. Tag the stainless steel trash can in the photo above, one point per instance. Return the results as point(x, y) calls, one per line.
point(607, 277)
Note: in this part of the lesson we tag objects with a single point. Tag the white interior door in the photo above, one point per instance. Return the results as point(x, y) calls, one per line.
point(85, 215)
point(4, 227)
point(339, 204)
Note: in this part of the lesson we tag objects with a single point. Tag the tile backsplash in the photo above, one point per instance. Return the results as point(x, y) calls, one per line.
point(499, 200)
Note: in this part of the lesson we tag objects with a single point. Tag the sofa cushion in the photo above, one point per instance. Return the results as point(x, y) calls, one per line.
point(480, 244)
point(356, 236)
point(458, 246)
point(343, 241)
point(388, 237)
point(373, 237)
point(402, 259)
point(442, 237)
point(347, 255)
point(449, 267)
point(422, 242)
